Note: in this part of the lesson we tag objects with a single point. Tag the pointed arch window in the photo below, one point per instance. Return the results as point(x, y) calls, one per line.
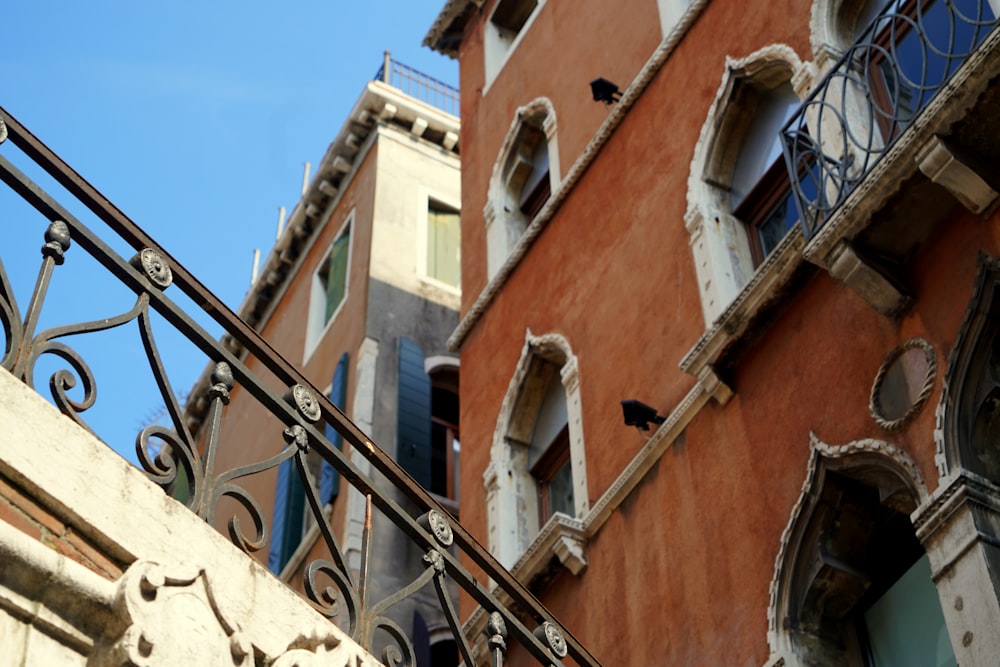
point(539, 446)
point(524, 177)
point(852, 582)
point(740, 205)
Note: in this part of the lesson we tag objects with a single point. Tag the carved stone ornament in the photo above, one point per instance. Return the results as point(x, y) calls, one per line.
point(903, 384)
point(323, 651)
point(168, 617)
point(305, 401)
point(154, 267)
point(807, 587)
point(969, 411)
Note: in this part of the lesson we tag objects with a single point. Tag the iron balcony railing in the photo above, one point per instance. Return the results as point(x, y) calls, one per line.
point(173, 458)
point(877, 89)
point(418, 85)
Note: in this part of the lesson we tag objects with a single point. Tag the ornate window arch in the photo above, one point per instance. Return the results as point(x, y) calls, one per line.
point(850, 562)
point(736, 170)
point(970, 401)
point(524, 175)
point(540, 413)
point(834, 25)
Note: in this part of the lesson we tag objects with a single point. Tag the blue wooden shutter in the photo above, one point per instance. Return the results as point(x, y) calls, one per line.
point(329, 482)
point(286, 527)
point(413, 410)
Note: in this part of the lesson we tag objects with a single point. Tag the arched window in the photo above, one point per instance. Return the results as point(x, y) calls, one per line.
point(538, 444)
point(852, 584)
point(739, 197)
point(524, 177)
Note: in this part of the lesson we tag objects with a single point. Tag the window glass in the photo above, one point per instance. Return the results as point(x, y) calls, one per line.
point(561, 490)
point(906, 626)
point(333, 273)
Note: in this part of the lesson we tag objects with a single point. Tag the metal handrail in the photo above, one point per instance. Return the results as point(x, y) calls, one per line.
point(302, 408)
point(874, 92)
point(418, 85)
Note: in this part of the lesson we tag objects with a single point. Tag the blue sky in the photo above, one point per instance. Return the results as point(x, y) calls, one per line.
point(195, 119)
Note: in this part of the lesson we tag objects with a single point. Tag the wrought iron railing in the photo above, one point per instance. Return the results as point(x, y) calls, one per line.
point(172, 458)
point(876, 90)
point(418, 85)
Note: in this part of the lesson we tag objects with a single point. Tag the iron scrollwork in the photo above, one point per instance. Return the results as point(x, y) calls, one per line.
point(183, 462)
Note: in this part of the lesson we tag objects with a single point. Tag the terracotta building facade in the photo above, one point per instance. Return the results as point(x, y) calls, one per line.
point(770, 231)
point(362, 290)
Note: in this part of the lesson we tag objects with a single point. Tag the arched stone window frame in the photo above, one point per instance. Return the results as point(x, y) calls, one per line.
point(511, 491)
point(719, 240)
point(505, 224)
point(832, 27)
point(873, 463)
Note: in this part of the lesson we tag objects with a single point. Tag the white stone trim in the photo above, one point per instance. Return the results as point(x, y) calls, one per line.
point(53, 594)
point(504, 222)
point(869, 451)
point(771, 277)
point(719, 241)
point(511, 498)
point(127, 517)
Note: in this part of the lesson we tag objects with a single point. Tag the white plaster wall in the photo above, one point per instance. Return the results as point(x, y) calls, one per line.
point(89, 487)
point(410, 171)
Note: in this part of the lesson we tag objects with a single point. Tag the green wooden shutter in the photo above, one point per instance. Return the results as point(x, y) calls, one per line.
point(329, 485)
point(286, 526)
point(336, 277)
point(443, 240)
point(413, 411)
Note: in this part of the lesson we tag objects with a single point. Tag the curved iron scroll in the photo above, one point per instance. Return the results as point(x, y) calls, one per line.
point(186, 467)
point(876, 90)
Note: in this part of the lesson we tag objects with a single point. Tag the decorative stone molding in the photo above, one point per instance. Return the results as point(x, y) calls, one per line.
point(504, 222)
point(562, 537)
point(170, 617)
point(964, 435)
point(867, 281)
point(511, 491)
point(875, 463)
point(718, 240)
point(708, 387)
point(768, 281)
point(958, 527)
point(154, 614)
point(947, 166)
point(323, 650)
point(875, 406)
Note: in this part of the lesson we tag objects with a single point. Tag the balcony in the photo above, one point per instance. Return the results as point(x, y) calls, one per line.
point(165, 300)
point(907, 109)
point(418, 85)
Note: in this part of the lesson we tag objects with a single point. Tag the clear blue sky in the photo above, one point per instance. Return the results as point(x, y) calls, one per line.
point(195, 119)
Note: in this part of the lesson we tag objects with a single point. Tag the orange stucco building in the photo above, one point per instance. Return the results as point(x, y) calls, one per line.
point(778, 232)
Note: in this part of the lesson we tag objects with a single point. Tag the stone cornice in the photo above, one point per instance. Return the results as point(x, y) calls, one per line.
point(451, 14)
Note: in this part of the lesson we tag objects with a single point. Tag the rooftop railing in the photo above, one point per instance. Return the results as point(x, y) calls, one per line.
point(878, 88)
point(185, 464)
point(418, 85)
